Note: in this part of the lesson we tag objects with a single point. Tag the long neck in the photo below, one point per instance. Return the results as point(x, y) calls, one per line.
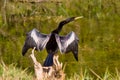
point(62, 23)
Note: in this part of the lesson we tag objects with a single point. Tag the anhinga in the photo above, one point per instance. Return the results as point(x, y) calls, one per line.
point(52, 42)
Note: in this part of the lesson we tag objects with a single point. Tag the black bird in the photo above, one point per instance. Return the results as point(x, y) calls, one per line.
point(52, 42)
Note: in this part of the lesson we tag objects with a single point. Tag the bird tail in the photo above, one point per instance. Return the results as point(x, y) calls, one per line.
point(49, 60)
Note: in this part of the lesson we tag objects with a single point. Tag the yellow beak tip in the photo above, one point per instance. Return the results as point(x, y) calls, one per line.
point(78, 17)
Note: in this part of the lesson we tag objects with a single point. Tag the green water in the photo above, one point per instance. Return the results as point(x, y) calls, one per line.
point(98, 32)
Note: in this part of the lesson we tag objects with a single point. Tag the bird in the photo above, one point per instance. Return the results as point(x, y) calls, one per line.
point(52, 42)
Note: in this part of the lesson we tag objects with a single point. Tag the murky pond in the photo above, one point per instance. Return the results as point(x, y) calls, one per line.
point(98, 32)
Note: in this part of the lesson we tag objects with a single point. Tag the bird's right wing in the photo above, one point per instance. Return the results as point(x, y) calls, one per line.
point(35, 39)
point(68, 43)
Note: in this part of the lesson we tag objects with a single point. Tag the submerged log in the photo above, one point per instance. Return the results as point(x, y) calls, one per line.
point(54, 72)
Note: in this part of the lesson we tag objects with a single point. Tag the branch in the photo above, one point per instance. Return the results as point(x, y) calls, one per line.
point(54, 72)
point(37, 67)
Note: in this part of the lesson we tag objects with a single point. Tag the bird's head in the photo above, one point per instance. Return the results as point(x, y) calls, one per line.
point(69, 20)
point(62, 23)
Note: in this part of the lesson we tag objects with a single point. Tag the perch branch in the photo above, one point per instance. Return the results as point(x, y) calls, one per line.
point(54, 72)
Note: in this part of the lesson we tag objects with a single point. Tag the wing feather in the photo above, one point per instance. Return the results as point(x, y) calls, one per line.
point(35, 39)
point(68, 43)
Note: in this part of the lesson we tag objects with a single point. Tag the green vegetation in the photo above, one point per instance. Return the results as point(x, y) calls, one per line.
point(98, 31)
point(86, 75)
point(11, 72)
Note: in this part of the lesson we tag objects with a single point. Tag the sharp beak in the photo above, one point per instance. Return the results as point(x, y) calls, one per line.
point(78, 17)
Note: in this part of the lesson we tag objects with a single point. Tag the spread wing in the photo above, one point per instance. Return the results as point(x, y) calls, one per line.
point(35, 39)
point(68, 43)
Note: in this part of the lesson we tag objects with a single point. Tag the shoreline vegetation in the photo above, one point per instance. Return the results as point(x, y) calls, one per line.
point(12, 72)
point(98, 32)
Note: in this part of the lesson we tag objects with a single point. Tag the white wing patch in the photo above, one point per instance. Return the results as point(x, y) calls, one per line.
point(34, 36)
point(71, 39)
point(45, 41)
point(64, 42)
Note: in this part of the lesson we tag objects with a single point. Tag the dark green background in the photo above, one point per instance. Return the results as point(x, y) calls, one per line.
point(98, 32)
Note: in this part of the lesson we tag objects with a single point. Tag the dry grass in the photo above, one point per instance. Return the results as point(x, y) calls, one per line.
point(11, 72)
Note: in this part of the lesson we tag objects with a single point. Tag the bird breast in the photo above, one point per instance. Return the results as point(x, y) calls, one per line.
point(52, 46)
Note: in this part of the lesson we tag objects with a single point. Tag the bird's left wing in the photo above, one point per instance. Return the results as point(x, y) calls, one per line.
point(35, 39)
point(68, 43)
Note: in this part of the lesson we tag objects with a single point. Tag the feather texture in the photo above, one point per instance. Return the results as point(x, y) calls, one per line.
point(35, 39)
point(52, 42)
point(68, 43)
